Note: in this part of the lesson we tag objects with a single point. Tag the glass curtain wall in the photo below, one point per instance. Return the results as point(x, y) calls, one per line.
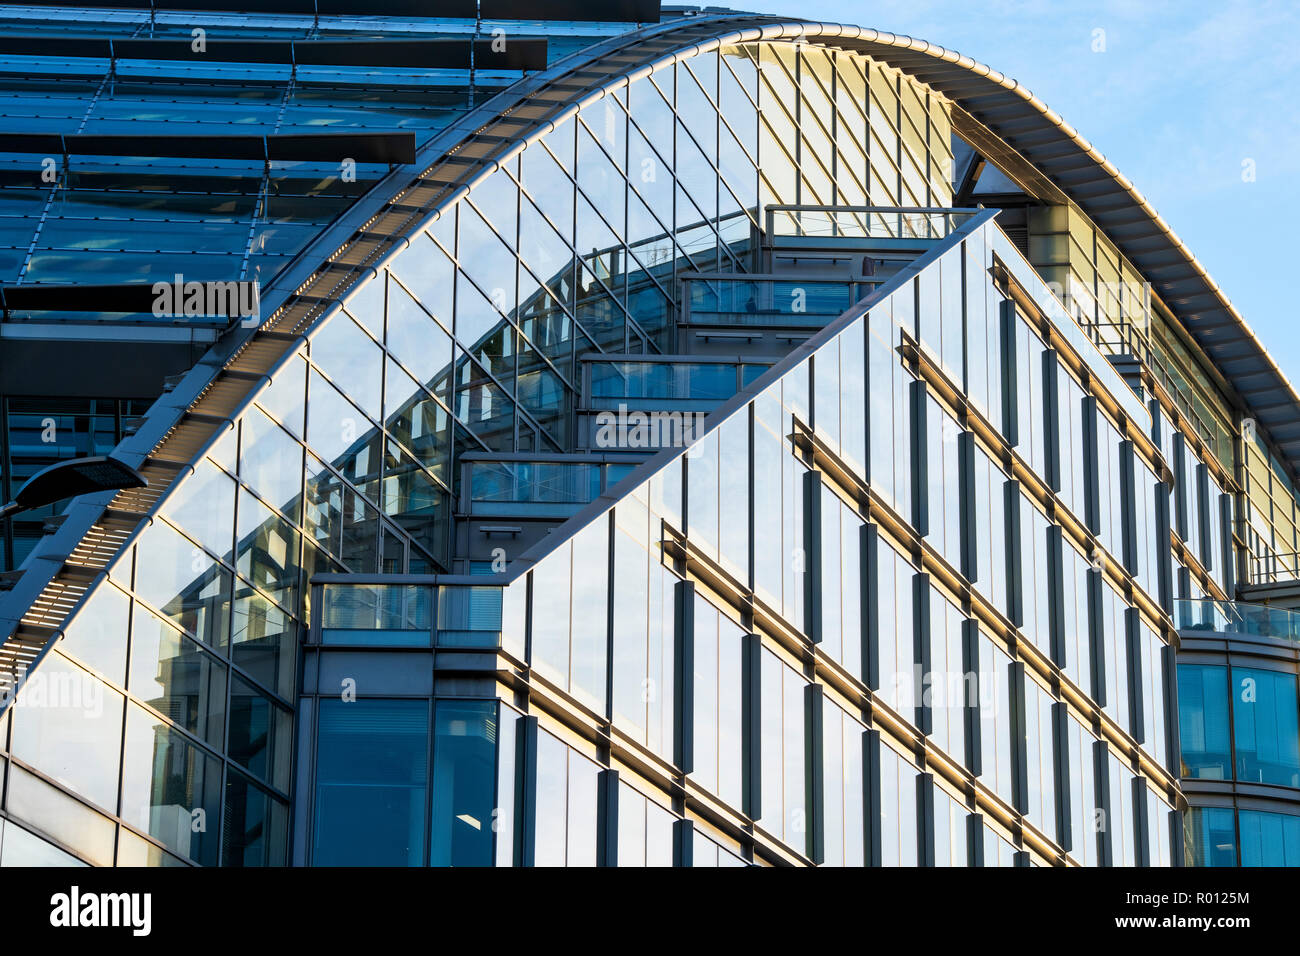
point(466, 341)
point(938, 663)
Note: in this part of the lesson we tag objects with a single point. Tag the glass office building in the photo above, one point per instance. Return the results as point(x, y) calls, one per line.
point(686, 438)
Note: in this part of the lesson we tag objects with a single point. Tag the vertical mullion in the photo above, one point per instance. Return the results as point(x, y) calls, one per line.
point(684, 676)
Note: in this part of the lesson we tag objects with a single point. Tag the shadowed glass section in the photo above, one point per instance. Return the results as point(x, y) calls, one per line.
point(371, 783)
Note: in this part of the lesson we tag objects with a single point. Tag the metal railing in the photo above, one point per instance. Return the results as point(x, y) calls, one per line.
point(1234, 617)
point(550, 489)
point(766, 300)
point(1273, 567)
point(410, 615)
point(1126, 337)
point(658, 384)
point(864, 222)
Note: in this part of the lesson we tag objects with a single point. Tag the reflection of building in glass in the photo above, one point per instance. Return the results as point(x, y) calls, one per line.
point(971, 471)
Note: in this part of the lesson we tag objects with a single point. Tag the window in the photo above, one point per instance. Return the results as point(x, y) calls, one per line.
point(897, 809)
point(645, 596)
point(1265, 721)
point(1110, 496)
point(1076, 578)
point(840, 381)
point(570, 614)
point(24, 848)
point(371, 783)
point(1040, 757)
point(841, 581)
point(1030, 393)
point(1148, 543)
point(843, 810)
point(945, 482)
point(782, 750)
point(1190, 503)
point(256, 824)
point(68, 725)
point(1085, 815)
point(1203, 722)
point(566, 805)
point(1269, 839)
point(990, 513)
point(1112, 632)
point(719, 714)
point(949, 688)
point(1152, 680)
point(1159, 851)
point(895, 637)
point(995, 718)
point(705, 852)
point(645, 830)
point(96, 636)
point(1122, 821)
point(778, 509)
point(997, 851)
point(1036, 584)
point(1073, 473)
point(890, 401)
point(465, 811)
point(171, 789)
point(259, 733)
point(1214, 547)
point(950, 828)
point(983, 344)
point(1213, 837)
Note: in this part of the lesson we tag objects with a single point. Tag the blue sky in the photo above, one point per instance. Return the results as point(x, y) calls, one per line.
point(1183, 93)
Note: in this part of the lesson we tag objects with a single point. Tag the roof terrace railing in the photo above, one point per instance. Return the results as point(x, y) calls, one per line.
point(409, 615)
point(1274, 567)
point(544, 489)
point(1234, 617)
point(864, 222)
point(784, 300)
point(655, 384)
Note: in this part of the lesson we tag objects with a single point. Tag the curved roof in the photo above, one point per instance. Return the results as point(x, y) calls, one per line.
point(1074, 165)
point(185, 422)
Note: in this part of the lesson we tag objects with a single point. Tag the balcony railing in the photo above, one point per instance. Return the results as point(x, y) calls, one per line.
point(1234, 617)
point(410, 615)
point(544, 489)
point(864, 222)
point(662, 385)
point(1273, 567)
point(786, 300)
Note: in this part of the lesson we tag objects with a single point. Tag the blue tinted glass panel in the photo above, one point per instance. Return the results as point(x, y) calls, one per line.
point(371, 783)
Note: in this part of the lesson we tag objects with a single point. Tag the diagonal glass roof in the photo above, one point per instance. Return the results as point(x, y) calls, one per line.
point(130, 218)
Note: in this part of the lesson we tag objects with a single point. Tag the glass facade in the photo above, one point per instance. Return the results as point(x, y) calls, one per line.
point(1239, 719)
point(761, 679)
point(898, 580)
